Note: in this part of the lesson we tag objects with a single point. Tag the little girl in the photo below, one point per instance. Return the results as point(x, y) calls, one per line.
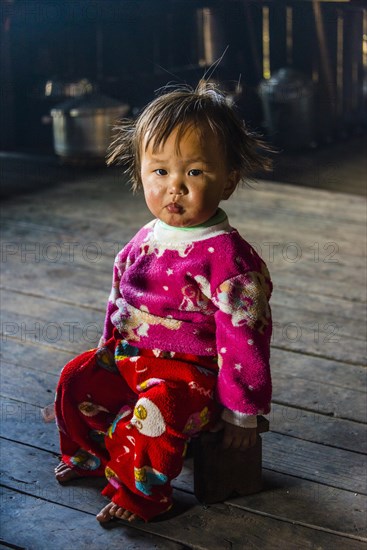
point(187, 330)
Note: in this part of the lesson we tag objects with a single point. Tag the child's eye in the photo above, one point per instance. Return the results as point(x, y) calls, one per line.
point(161, 172)
point(195, 172)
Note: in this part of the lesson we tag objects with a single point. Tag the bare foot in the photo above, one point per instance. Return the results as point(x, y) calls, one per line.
point(112, 510)
point(64, 473)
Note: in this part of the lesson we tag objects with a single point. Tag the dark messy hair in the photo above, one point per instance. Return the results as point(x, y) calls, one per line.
point(205, 106)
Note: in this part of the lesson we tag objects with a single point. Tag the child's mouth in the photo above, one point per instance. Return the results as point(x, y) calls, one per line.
point(174, 208)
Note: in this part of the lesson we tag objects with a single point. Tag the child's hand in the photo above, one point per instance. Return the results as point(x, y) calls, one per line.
point(236, 437)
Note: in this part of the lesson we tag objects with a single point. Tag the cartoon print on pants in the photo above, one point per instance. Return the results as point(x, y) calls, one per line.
point(84, 460)
point(148, 418)
point(197, 421)
point(123, 350)
point(112, 478)
point(105, 359)
point(146, 477)
point(125, 411)
point(149, 383)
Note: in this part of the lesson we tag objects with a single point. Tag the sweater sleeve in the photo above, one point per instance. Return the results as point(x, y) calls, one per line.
point(120, 264)
point(243, 332)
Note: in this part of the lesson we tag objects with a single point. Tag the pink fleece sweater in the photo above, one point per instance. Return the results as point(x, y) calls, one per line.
point(203, 291)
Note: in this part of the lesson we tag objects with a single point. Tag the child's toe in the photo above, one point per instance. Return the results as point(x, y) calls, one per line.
point(105, 514)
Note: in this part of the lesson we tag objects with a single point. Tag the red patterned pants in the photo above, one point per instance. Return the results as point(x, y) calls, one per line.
point(128, 414)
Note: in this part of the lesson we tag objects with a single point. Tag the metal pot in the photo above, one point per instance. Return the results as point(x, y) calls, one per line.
point(288, 104)
point(82, 125)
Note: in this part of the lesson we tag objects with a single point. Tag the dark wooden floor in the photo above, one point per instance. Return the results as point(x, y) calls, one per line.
point(57, 253)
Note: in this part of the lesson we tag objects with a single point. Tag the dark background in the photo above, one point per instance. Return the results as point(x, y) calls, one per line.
point(130, 48)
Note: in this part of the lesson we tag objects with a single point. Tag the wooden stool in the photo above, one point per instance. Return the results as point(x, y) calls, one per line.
point(218, 472)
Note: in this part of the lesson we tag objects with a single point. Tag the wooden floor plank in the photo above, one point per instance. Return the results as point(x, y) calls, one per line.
point(52, 323)
point(294, 201)
point(27, 385)
point(318, 369)
point(62, 284)
point(320, 463)
point(297, 499)
point(305, 501)
point(349, 313)
point(205, 532)
point(197, 526)
point(329, 400)
point(290, 497)
point(34, 523)
point(318, 428)
point(23, 423)
point(30, 354)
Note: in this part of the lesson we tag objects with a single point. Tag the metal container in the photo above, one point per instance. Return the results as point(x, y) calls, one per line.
point(82, 125)
point(288, 106)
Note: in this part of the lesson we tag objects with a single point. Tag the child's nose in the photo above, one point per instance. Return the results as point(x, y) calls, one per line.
point(178, 187)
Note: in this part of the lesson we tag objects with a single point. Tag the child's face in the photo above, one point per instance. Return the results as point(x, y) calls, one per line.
point(184, 185)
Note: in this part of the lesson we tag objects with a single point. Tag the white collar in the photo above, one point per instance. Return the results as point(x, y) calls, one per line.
point(169, 234)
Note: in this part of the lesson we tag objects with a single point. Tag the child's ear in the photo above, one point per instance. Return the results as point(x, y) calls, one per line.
point(232, 182)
